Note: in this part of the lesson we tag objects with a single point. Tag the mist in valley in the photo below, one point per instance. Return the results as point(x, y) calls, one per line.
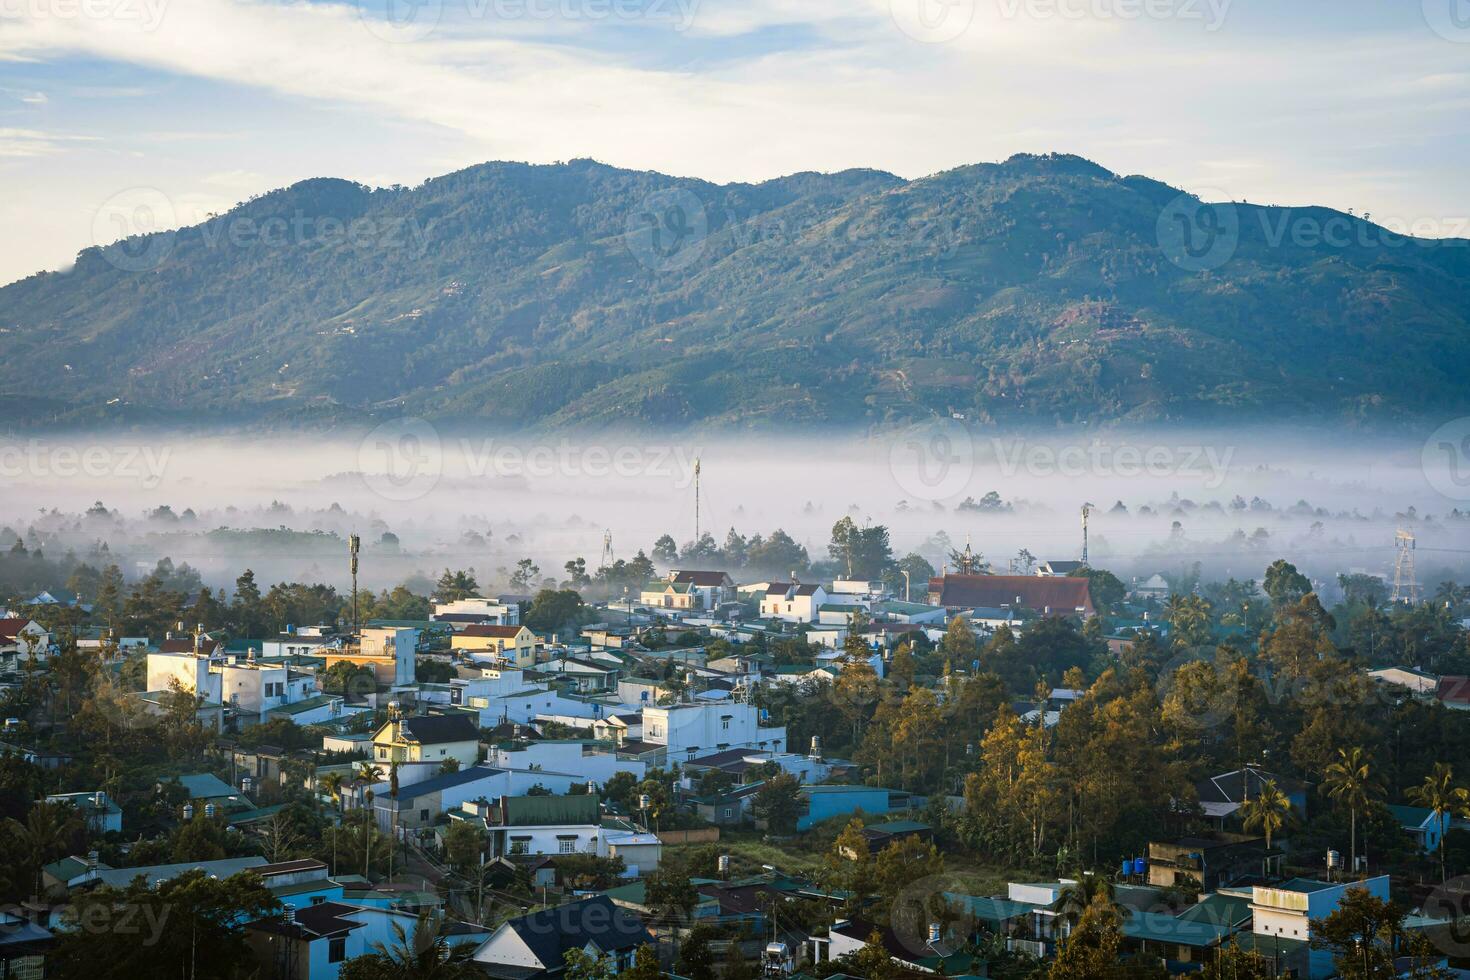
point(423, 500)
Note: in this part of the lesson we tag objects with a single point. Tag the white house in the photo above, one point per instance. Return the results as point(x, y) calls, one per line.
point(792, 602)
point(22, 639)
point(689, 730)
point(301, 641)
point(475, 610)
point(578, 760)
point(1287, 911)
point(534, 946)
point(251, 688)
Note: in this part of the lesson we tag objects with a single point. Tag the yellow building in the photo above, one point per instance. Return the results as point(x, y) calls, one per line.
point(428, 738)
point(515, 644)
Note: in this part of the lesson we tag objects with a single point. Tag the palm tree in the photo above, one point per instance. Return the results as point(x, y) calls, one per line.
point(333, 782)
point(368, 774)
point(1267, 811)
point(1350, 782)
point(425, 956)
point(1075, 898)
point(1438, 794)
point(43, 836)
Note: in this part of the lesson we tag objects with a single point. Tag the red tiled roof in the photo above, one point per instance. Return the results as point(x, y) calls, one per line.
point(1455, 687)
point(1061, 596)
point(10, 628)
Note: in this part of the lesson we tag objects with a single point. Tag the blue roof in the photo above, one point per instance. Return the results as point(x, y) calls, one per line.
point(206, 786)
point(448, 780)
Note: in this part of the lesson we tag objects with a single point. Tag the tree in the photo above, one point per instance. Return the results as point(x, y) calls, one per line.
point(523, 579)
point(1284, 584)
point(1091, 951)
point(426, 955)
point(464, 845)
point(863, 552)
point(1439, 795)
point(453, 586)
point(696, 961)
point(186, 926)
point(1362, 933)
point(1349, 781)
point(666, 549)
point(849, 866)
point(1267, 811)
point(582, 965)
point(44, 836)
point(553, 609)
point(645, 965)
point(778, 803)
point(671, 895)
point(1235, 963)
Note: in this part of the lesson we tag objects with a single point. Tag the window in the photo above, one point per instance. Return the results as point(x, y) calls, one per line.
point(424, 814)
point(728, 812)
point(725, 722)
point(566, 847)
point(337, 949)
point(318, 899)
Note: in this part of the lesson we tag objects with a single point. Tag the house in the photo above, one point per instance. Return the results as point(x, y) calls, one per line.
point(880, 835)
point(1059, 569)
point(1454, 692)
point(900, 611)
point(689, 590)
point(1046, 595)
point(687, 730)
point(423, 803)
point(101, 812)
point(428, 738)
point(541, 824)
point(250, 689)
point(1210, 863)
point(1422, 825)
point(793, 602)
point(1221, 797)
point(301, 641)
point(1412, 679)
point(312, 941)
point(1153, 587)
point(388, 651)
point(317, 710)
point(729, 808)
point(580, 761)
point(514, 644)
point(476, 611)
point(23, 946)
point(619, 727)
point(1282, 918)
point(534, 946)
point(22, 639)
point(586, 676)
point(827, 801)
point(921, 953)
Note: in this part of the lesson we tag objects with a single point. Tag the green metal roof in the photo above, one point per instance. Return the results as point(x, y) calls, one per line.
point(532, 811)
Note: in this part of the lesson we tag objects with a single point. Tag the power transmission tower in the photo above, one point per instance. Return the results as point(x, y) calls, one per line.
point(607, 549)
point(1405, 585)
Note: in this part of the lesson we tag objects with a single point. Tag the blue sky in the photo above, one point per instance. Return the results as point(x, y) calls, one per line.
point(194, 105)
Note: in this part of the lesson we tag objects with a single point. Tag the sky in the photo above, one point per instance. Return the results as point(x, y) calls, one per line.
point(191, 106)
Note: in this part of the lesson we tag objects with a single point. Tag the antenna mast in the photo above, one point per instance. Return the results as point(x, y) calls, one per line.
point(1405, 585)
point(696, 502)
point(607, 549)
point(354, 543)
point(1086, 510)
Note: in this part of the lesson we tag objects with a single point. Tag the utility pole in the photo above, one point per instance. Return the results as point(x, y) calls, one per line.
point(354, 543)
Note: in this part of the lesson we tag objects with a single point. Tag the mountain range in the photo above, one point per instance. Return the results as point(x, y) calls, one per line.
point(1041, 290)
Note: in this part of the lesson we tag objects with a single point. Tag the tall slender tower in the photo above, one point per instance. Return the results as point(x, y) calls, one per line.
point(696, 501)
point(1086, 510)
point(354, 544)
point(1405, 585)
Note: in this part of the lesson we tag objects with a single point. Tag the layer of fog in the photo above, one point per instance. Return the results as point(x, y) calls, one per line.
point(1329, 503)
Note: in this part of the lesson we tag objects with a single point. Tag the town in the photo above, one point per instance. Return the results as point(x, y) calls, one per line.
point(869, 767)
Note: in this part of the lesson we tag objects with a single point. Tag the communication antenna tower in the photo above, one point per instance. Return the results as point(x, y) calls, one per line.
point(1405, 585)
point(354, 544)
point(696, 501)
point(1086, 510)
